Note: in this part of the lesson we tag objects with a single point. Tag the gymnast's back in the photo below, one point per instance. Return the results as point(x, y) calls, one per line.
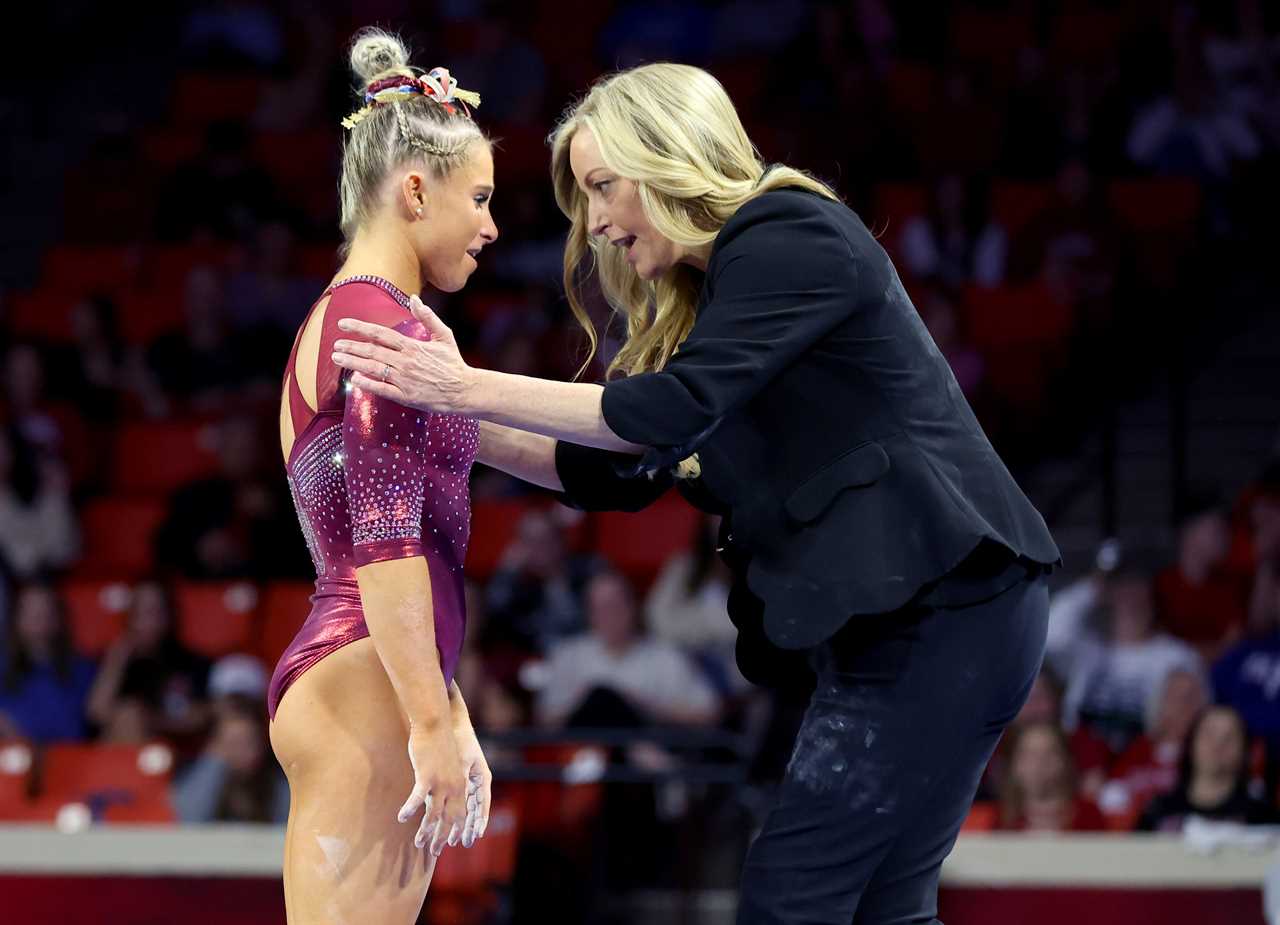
point(371, 480)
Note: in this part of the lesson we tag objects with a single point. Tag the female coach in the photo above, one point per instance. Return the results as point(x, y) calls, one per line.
point(775, 367)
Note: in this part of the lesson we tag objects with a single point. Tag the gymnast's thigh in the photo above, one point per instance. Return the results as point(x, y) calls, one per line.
point(342, 739)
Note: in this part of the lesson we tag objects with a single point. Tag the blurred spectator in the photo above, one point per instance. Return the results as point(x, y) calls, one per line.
point(232, 34)
point(507, 70)
point(962, 130)
point(755, 27)
point(1257, 536)
point(657, 30)
point(39, 533)
point(116, 201)
point(25, 402)
point(294, 94)
point(238, 675)
point(955, 241)
point(1089, 753)
point(1197, 599)
point(1190, 131)
point(44, 684)
point(1244, 61)
point(1149, 766)
point(1040, 792)
point(221, 192)
point(615, 675)
point(498, 707)
point(688, 607)
point(1213, 780)
point(1247, 677)
point(535, 595)
point(236, 779)
point(97, 369)
point(938, 312)
point(1072, 243)
point(238, 523)
point(1111, 679)
point(202, 365)
point(150, 684)
point(268, 295)
point(1030, 148)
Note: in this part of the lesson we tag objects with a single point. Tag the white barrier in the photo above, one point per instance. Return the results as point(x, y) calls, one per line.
point(978, 860)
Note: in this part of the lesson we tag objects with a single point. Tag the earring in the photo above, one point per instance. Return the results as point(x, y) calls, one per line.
point(419, 211)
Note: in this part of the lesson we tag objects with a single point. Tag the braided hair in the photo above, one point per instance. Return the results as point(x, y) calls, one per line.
point(397, 128)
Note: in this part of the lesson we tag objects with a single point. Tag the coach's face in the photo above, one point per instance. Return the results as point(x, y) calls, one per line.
point(615, 213)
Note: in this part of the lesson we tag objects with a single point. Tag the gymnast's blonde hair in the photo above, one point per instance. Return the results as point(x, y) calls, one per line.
point(673, 130)
point(414, 129)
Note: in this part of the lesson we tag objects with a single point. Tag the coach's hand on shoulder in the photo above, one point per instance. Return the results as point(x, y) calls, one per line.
point(428, 374)
point(439, 785)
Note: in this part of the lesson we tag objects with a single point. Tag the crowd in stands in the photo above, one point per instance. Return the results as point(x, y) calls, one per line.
point(1040, 171)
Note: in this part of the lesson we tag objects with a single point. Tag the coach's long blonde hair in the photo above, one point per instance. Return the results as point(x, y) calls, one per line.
point(673, 130)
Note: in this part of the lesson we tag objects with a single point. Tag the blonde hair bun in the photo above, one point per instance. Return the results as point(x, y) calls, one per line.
point(375, 53)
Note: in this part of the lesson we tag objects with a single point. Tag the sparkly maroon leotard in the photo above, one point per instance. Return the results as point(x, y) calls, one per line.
point(373, 480)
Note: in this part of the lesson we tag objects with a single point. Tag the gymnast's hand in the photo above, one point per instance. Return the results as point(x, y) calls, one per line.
point(439, 785)
point(430, 375)
point(479, 786)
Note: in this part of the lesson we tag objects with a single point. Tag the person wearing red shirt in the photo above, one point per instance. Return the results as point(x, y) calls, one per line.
point(1197, 599)
point(1040, 793)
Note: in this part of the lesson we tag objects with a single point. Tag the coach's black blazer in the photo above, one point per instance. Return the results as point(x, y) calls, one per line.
point(830, 432)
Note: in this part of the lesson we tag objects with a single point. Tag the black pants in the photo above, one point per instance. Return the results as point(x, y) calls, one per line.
point(907, 711)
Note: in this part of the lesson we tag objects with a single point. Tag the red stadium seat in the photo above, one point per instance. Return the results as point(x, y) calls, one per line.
point(295, 157)
point(1009, 316)
point(16, 759)
point(145, 314)
point(156, 457)
point(490, 862)
point(165, 269)
point(320, 261)
point(117, 537)
point(115, 781)
point(894, 203)
point(1163, 205)
point(97, 613)
point(43, 314)
point(1085, 35)
point(216, 618)
point(1014, 203)
point(168, 148)
point(984, 816)
point(90, 268)
point(1162, 213)
point(522, 151)
point(910, 88)
point(639, 544)
point(285, 605)
point(560, 809)
point(153, 809)
point(1022, 332)
point(199, 99)
point(989, 39)
point(493, 525)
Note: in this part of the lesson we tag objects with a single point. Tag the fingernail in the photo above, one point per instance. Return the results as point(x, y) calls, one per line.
point(344, 325)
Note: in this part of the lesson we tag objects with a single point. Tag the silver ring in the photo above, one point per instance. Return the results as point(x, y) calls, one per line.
point(386, 373)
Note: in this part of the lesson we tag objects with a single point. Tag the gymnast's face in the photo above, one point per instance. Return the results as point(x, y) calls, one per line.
point(455, 223)
point(614, 211)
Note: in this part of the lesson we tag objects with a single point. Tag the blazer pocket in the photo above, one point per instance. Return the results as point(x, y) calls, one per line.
point(861, 466)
